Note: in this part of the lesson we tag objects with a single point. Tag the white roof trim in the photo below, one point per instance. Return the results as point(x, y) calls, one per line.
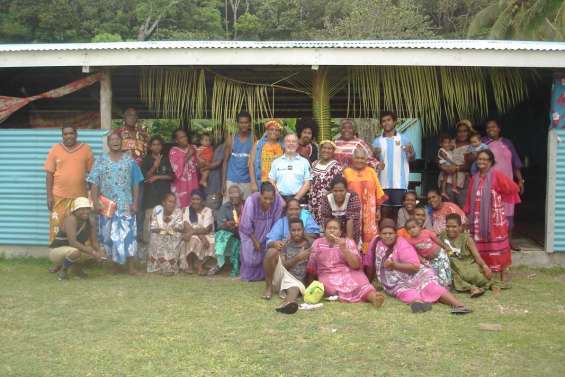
point(423, 52)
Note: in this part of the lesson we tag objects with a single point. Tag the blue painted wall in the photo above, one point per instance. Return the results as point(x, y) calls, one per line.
point(24, 219)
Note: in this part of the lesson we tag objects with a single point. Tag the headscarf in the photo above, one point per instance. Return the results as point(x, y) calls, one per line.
point(467, 123)
point(330, 142)
point(276, 123)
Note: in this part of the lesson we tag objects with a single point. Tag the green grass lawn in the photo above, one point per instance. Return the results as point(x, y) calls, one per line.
point(116, 325)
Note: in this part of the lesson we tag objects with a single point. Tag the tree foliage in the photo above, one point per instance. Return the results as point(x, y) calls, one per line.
point(31, 21)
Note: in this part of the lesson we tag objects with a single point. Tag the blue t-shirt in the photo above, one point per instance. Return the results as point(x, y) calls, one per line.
point(280, 230)
point(238, 168)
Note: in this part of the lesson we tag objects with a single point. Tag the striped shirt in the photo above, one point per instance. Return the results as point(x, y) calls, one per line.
point(396, 173)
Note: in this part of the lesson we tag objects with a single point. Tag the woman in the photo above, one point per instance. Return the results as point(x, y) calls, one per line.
point(261, 210)
point(363, 180)
point(337, 264)
point(198, 235)
point(401, 274)
point(115, 180)
point(307, 131)
point(166, 235)
point(441, 209)
point(345, 207)
point(488, 225)
point(408, 211)
point(460, 155)
point(185, 167)
point(264, 152)
point(348, 142)
point(470, 272)
point(158, 174)
point(507, 162)
point(323, 172)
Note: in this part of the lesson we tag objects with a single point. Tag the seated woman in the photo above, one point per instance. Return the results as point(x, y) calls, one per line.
point(408, 210)
point(431, 250)
point(198, 235)
point(260, 212)
point(226, 241)
point(441, 209)
point(166, 228)
point(70, 246)
point(337, 264)
point(344, 206)
point(470, 272)
point(401, 274)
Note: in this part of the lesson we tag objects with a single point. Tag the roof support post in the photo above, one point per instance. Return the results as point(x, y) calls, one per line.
point(106, 101)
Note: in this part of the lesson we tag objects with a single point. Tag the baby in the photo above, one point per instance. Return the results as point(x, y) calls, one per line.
point(476, 146)
point(445, 157)
point(204, 155)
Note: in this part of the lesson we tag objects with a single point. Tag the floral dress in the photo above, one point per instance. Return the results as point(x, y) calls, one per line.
point(322, 175)
point(164, 241)
point(115, 180)
point(194, 246)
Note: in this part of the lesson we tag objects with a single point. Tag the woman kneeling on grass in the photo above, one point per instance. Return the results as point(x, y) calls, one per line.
point(400, 273)
point(166, 234)
point(337, 264)
point(470, 272)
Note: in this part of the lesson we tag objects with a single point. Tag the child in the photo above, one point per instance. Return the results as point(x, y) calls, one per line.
point(430, 249)
point(476, 146)
point(445, 156)
point(204, 155)
point(470, 273)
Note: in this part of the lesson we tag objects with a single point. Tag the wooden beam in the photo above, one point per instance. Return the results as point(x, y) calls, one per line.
point(106, 101)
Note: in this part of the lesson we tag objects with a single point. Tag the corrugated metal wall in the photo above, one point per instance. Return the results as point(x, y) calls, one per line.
point(24, 219)
point(555, 240)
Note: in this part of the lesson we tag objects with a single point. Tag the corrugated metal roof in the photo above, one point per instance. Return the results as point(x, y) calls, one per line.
point(24, 219)
point(373, 44)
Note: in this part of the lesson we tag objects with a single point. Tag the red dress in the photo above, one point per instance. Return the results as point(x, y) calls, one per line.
point(495, 249)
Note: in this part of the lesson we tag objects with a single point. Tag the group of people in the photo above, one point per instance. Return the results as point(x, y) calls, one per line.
point(290, 211)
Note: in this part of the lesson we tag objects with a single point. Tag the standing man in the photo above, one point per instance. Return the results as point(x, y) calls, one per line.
point(290, 173)
point(66, 167)
point(235, 168)
point(134, 138)
point(394, 150)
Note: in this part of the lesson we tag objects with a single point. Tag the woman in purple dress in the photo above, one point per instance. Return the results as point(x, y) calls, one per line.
point(260, 212)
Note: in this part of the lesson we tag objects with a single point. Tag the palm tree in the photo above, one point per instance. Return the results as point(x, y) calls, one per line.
point(520, 19)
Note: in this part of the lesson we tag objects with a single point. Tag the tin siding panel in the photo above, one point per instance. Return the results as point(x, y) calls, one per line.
point(559, 194)
point(24, 219)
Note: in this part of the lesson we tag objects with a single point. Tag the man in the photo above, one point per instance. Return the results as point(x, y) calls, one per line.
point(134, 138)
point(235, 168)
point(285, 270)
point(70, 247)
point(226, 240)
point(394, 150)
point(66, 167)
point(279, 233)
point(290, 173)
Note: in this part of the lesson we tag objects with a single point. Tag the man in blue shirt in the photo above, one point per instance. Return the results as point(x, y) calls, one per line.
point(280, 231)
point(290, 173)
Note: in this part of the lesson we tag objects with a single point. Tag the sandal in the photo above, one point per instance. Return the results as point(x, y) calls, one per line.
point(460, 310)
point(214, 270)
point(420, 307)
point(288, 308)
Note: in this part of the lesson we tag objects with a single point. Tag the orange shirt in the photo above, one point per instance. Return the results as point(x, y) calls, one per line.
point(69, 169)
point(269, 153)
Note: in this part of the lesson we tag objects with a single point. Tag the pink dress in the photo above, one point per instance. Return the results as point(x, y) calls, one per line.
point(186, 175)
point(422, 286)
point(333, 271)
